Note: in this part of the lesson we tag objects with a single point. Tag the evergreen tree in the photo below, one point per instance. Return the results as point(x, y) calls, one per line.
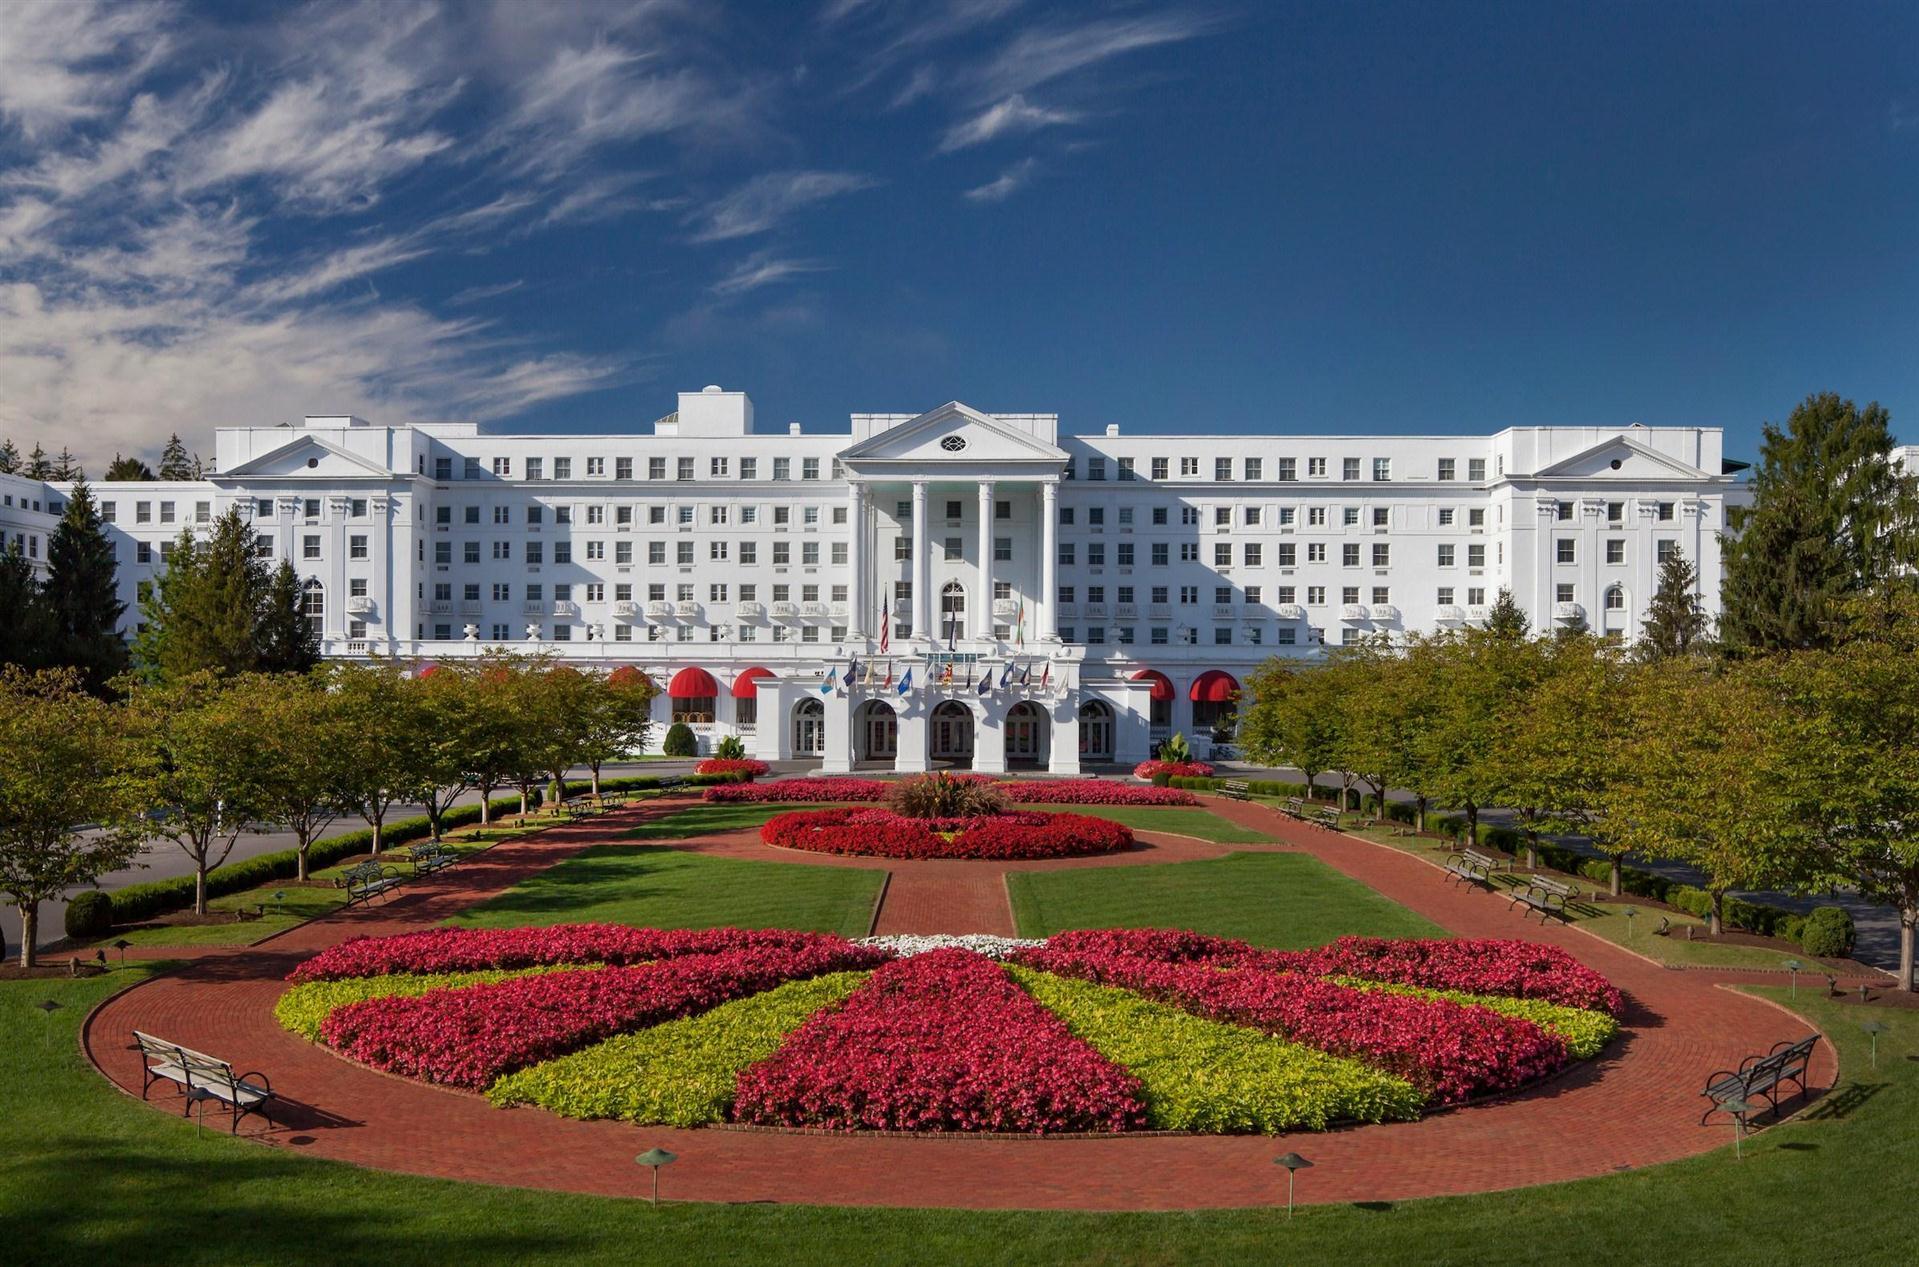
point(1675, 624)
point(286, 641)
point(174, 462)
point(1507, 619)
point(67, 467)
point(1832, 516)
point(39, 467)
point(128, 469)
point(9, 458)
point(82, 593)
point(203, 612)
point(25, 632)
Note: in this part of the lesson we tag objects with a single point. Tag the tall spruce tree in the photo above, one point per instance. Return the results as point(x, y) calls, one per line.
point(1676, 623)
point(1832, 516)
point(39, 466)
point(67, 467)
point(203, 611)
point(9, 458)
point(286, 641)
point(124, 468)
point(175, 464)
point(26, 635)
point(82, 593)
point(1508, 619)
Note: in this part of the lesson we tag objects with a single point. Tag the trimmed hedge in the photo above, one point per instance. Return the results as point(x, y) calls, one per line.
point(1258, 787)
point(89, 914)
point(1828, 933)
point(680, 741)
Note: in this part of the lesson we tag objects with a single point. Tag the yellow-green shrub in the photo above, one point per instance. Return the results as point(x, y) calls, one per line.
point(302, 1008)
point(1584, 1032)
point(1199, 1075)
point(681, 1073)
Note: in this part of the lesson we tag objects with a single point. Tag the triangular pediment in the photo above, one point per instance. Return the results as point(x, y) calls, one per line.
point(953, 433)
point(308, 457)
point(1621, 457)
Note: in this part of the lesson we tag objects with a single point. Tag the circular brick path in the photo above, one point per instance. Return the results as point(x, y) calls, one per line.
point(1635, 1106)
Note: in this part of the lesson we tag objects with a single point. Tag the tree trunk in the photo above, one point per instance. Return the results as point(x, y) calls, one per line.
point(375, 819)
point(300, 860)
point(29, 930)
point(1907, 919)
point(1615, 877)
point(200, 886)
point(1714, 916)
point(523, 805)
point(596, 778)
point(1419, 815)
point(1532, 844)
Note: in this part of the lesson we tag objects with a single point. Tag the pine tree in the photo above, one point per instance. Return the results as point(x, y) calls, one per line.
point(286, 641)
point(25, 632)
point(1832, 516)
point(174, 462)
point(9, 458)
point(67, 467)
point(82, 593)
point(38, 465)
point(128, 469)
point(1676, 624)
point(1507, 619)
point(203, 612)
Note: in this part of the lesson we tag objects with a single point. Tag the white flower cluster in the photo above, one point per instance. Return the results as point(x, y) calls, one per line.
point(906, 945)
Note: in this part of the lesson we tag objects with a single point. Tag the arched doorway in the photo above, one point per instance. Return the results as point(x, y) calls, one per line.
point(1027, 734)
point(809, 728)
point(952, 610)
point(876, 732)
point(950, 734)
point(313, 606)
point(1095, 731)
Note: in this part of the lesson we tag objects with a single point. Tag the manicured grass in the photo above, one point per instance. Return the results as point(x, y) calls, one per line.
point(664, 888)
point(89, 1176)
point(709, 820)
point(1270, 899)
point(1170, 818)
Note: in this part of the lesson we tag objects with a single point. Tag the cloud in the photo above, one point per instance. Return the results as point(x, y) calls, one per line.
point(480, 294)
point(68, 61)
point(1013, 115)
point(1043, 54)
point(764, 201)
point(1008, 183)
point(763, 268)
point(584, 98)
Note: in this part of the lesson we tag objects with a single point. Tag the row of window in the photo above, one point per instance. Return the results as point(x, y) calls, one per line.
point(595, 468)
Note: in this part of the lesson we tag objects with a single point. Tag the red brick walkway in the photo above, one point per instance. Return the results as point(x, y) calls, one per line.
point(1637, 1106)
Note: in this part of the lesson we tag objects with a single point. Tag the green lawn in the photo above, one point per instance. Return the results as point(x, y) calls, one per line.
point(1171, 818)
point(89, 1176)
point(665, 888)
point(1270, 899)
point(708, 820)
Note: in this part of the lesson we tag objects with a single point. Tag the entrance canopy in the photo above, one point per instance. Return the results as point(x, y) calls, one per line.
point(1214, 686)
point(1162, 685)
point(747, 684)
point(693, 684)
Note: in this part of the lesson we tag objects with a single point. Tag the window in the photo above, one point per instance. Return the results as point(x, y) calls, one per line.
point(1222, 469)
point(1095, 468)
point(749, 468)
point(683, 553)
point(1615, 598)
point(952, 549)
point(1002, 549)
point(1663, 515)
point(717, 467)
point(535, 552)
point(1159, 468)
point(955, 510)
point(1189, 467)
point(1159, 516)
point(1446, 516)
point(1446, 556)
point(656, 468)
point(1189, 552)
point(1475, 556)
point(693, 708)
point(1476, 518)
point(503, 467)
point(596, 466)
point(562, 468)
point(1222, 554)
point(1443, 596)
point(1252, 554)
point(143, 551)
point(356, 547)
point(1066, 553)
point(1253, 468)
point(313, 605)
point(683, 469)
point(1382, 554)
point(902, 549)
point(1001, 510)
point(1446, 468)
point(1126, 472)
point(622, 468)
point(782, 468)
point(1476, 470)
point(563, 552)
point(1565, 550)
point(1664, 549)
point(1288, 470)
point(1349, 555)
point(1382, 470)
point(442, 469)
point(1160, 551)
point(1315, 551)
point(1288, 554)
point(1349, 468)
point(535, 469)
point(310, 547)
point(1615, 549)
point(809, 468)
point(1349, 516)
point(1563, 593)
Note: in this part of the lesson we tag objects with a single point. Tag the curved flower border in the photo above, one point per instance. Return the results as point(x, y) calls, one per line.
point(877, 833)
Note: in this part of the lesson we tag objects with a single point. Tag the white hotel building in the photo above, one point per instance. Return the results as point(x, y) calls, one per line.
point(1130, 582)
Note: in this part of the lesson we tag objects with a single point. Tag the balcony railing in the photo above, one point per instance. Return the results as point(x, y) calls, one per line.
point(750, 611)
point(1568, 611)
point(626, 609)
point(1291, 611)
point(1449, 614)
point(1385, 612)
point(659, 611)
point(1355, 611)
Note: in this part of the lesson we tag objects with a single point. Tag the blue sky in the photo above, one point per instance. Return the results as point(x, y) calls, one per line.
point(1223, 217)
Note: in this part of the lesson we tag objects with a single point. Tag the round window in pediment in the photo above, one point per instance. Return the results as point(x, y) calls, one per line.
point(953, 444)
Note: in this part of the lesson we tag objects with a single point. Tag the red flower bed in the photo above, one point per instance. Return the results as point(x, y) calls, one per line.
point(1449, 1051)
point(800, 790)
point(469, 1037)
point(1519, 969)
point(944, 1041)
point(877, 833)
point(1178, 769)
point(1093, 792)
point(436, 950)
point(732, 765)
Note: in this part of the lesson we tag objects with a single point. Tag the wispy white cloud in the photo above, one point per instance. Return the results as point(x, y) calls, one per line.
point(765, 200)
point(1011, 116)
point(1008, 183)
point(67, 61)
point(480, 294)
point(1043, 54)
point(763, 268)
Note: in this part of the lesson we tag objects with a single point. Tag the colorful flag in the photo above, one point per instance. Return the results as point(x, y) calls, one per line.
point(986, 680)
point(1006, 677)
point(906, 683)
point(946, 674)
point(1026, 674)
point(868, 680)
point(969, 673)
point(1046, 675)
point(1019, 629)
point(886, 628)
point(852, 672)
point(832, 680)
point(889, 675)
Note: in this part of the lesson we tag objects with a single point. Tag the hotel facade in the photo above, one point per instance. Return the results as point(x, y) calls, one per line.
point(951, 587)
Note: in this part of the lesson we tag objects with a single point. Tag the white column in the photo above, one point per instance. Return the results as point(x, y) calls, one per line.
point(922, 562)
point(1047, 611)
point(856, 561)
point(983, 627)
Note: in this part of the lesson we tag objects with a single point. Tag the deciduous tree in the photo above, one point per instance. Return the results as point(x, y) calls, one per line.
point(304, 775)
point(1293, 719)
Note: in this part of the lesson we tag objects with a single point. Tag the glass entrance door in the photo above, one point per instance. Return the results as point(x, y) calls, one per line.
point(882, 735)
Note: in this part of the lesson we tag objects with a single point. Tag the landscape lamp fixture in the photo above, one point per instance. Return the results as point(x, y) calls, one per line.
point(1294, 1163)
point(121, 946)
point(1794, 968)
point(1874, 1028)
point(1738, 1108)
point(653, 1159)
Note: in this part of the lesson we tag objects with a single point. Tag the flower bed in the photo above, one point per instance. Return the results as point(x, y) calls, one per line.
point(744, 766)
point(306, 1006)
point(799, 790)
point(1521, 969)
point(943, 1041)
point(1176, 769)
point(1092, 792)
point(1027, 791)
point(877, 833)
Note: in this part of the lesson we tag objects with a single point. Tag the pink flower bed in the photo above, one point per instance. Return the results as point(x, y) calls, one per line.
point(800, 790)
point(469, 1037)
point(1519, 969)
point(878, 833)
point(436, 950)
point(1449, 1051)
point(1093, 792)
point(1178, 769)
point(732, 765)
point(943, 1041)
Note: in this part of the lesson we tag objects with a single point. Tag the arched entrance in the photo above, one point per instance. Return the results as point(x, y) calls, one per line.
point(1095, 731)
point(809, 728)
point(876, 732)
point(1028, 734)
point(949, 735)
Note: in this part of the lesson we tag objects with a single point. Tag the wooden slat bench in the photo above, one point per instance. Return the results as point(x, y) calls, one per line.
point(1326, 817)
point(1761, 1076)
point(1235, 790)
point(430, 857)
point(1471, 866)
point(366, 881)
point(209, 1076)
point(1293, 806)
point(1545, 895)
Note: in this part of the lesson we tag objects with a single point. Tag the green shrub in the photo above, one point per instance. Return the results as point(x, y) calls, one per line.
point(1793, 929)
point(730, 749)
point(89, 914)
point(680, 741)
point(1827, 933)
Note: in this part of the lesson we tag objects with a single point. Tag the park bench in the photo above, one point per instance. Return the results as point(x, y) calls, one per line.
point(582, 806)
point(1545, 895)
point(1235, 790)
point(366, 881)
point(430, 857)
point(1294, 806)
point(1761, 1076)
point(201, 1077)
point(1471, 866)
point(1326, 817)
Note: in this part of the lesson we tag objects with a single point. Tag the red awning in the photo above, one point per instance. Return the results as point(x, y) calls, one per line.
point(1214, 687)
point(747, 684)
point(1162, 685)
point(693, 684)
